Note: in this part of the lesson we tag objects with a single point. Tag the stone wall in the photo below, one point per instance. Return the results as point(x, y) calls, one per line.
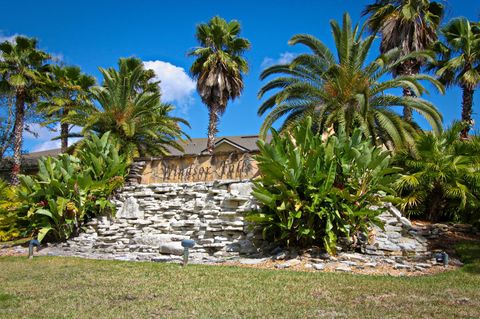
point(438, 230)
point(151, 221)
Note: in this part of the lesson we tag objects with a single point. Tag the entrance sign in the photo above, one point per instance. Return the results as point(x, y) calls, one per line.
point(199, 168)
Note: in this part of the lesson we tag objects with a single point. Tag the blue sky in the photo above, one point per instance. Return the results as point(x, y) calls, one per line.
point(96, 33)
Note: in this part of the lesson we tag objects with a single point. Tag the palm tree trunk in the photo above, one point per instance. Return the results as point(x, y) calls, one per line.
point(467, 104)
point(64, 136)
point(212, 128)
point(18, 135)
point(408, 68)
point(435, 204)
point(407, 112)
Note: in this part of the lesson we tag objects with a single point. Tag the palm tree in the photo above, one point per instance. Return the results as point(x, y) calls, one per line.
point(343, 91)
point(441, 178)
point(69, 91)
point(407, 25)
point(131, 111)
point(218, 68)
point(22, 70)
point(459, 62)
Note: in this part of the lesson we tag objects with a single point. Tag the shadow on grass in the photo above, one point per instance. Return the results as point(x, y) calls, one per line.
point(7, 301)
point(469, 253)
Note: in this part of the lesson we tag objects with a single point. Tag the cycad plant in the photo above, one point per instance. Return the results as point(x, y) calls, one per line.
point(131, 110)
point(341, 90)
point(219, 68)
point(441, 178)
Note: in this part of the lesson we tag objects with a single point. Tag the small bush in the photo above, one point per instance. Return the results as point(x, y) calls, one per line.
point(13, 218)
point(69, 190)
point(314, 190)
point(441, 177)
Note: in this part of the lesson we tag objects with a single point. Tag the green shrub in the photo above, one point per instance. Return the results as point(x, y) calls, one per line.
point(13, 218)
point(314, 190)
point(69, 190)
point(441, 177)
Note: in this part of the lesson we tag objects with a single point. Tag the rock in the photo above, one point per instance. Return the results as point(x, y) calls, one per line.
point(241, 189)
point(343, 269)
point(282, 266)
point(349, 263)
point(130, 209)
point(252, 261)
point(324, 256)
point(455, 262)
point(173, 248)
point(371, 265)
point(280, 256)
point(293, 262)
point(319, 266)
point(354, 256)
point(424, 265)
point(401, 266)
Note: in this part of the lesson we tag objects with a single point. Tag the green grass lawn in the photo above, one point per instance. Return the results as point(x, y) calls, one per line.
point(48, 287)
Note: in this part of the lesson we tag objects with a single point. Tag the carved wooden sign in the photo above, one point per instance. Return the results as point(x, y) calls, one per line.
point(201, 168)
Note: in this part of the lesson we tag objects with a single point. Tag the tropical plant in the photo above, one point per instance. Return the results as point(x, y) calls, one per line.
point(409, 26)
point(131, 110)
point(345, 92)
point(22, 72)
point(69, 190)
point(69, 90)
point(441, 178)
point(218, 68)
point(459, 62)
point(316, 189)
point(13, 218)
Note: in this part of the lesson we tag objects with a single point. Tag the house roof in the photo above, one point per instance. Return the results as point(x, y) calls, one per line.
point(195, 146)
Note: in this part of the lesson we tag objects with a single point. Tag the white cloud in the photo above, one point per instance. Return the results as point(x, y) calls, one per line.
point(175, 84)
point(47, 145)
point(9, 38)
point(42, 137)
point(57, 57)
point(284, 58)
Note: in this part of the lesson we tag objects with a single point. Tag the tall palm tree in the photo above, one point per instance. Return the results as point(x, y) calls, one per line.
point(343, 91)
point(218, 68)
point(132, 111)
point(459, 62)
point(69, 91)
point(407, 25)
point(22, 70)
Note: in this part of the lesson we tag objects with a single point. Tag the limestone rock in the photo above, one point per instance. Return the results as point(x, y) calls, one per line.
point(319, 266)
point(173, 248)
point(130, 209)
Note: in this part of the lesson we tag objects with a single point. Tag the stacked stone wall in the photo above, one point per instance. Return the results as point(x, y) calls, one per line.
point(152, 220)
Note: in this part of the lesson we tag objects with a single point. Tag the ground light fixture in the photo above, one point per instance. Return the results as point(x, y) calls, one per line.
point(32, 243)
point(442, 258)
point(186, 244)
